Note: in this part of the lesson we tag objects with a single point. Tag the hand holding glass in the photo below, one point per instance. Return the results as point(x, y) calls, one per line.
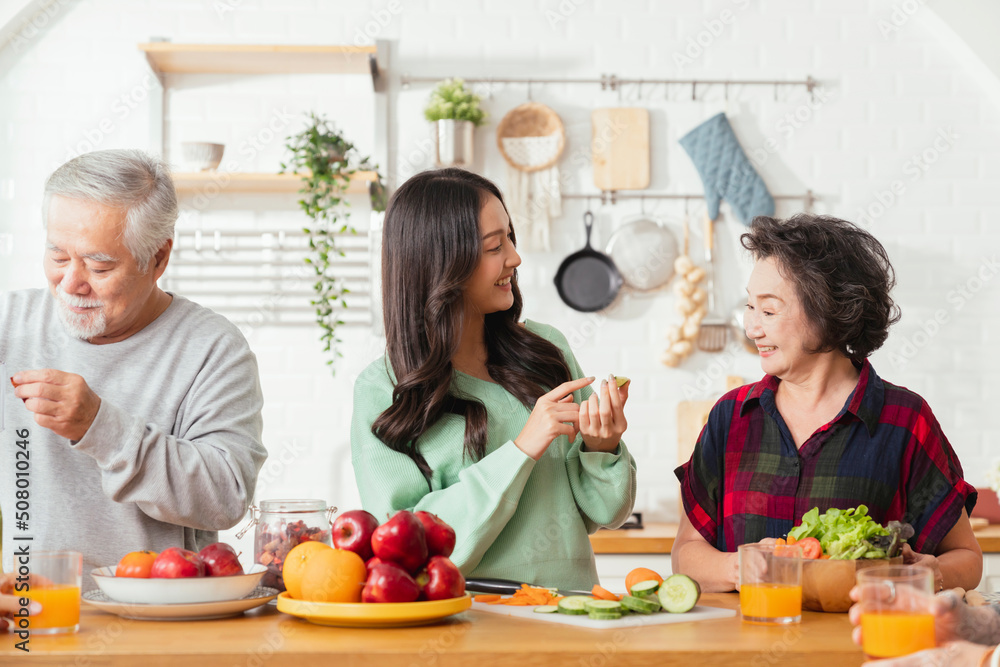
point(896, 616)
point(55, 584)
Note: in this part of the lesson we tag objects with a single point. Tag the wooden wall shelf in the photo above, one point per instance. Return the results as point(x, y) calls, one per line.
point(242, 182)
point(167, 57)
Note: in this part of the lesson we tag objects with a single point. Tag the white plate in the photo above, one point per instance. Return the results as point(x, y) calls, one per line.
point(192, 590)
point(181, 612)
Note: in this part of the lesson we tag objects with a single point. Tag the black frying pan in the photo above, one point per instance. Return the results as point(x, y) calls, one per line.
point(588, 280)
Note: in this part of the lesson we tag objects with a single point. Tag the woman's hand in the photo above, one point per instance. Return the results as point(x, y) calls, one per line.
point(554, 414)
point(953, 619)
point(951, 654)
point(10, 603)
point(603, 422)
point(911, 557)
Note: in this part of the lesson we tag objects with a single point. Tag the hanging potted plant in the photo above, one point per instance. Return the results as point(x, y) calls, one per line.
point(326, 161)
point(455, 113)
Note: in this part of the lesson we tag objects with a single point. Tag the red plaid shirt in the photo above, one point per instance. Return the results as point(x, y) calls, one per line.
point(746, 480)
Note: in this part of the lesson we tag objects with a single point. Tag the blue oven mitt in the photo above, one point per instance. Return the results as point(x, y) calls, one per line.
point(726, 171)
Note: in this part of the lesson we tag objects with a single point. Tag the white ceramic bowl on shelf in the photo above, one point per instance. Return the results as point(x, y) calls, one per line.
point(176, 591)
point(201, 155)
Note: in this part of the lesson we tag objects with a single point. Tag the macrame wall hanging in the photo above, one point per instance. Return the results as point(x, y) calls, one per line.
point(531, 138)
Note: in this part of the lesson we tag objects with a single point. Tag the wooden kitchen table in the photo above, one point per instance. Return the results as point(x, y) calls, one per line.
point(268, 638)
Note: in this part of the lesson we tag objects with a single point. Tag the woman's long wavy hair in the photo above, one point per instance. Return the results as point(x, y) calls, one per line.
point(431, 246)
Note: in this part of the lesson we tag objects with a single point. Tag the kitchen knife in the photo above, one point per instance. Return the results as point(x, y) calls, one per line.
point(509, 587)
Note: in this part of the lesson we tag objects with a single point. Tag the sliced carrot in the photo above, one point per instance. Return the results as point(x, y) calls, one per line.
point(780, 541)
point(486, 598)
point(824, 557)
point(790, 541)
point(603, 594)
point(555, 600)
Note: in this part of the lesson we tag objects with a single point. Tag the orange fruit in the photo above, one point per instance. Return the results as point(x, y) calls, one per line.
point(641, 574)
point(336, 575)
point(295, 564)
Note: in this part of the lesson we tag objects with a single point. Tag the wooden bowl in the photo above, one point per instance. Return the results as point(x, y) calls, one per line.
point(531, 120)
point(827, 583)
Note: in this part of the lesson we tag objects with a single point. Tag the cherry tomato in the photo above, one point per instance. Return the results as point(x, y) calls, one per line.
point(136, 564)
point(810, 547)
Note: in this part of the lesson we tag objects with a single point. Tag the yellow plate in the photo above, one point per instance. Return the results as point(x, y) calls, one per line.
point(373, 615)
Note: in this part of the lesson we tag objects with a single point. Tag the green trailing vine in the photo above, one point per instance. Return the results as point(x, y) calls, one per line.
point(326, 161)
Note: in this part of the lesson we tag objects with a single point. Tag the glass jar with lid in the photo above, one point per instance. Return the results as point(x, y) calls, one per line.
point(280, 526)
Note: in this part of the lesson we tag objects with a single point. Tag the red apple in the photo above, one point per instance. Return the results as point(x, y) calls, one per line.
point(221, 560)
point(389, 583)
point(176, 563)
point(401, 540)
point(372, 562)
point(440, 536)
point(441, 580)
point(353, 531)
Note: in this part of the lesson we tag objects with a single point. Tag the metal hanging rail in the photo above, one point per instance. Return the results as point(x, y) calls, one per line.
point(613, 82)
point(612, 197)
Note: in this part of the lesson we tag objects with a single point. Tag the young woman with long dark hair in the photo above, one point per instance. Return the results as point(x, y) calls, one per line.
point(472, 415)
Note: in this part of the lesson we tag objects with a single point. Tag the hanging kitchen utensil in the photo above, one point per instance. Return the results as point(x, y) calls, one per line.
point(725, 170)
point(588, 280)
point(712, 336)
point(690, 304)
point(619, 147)
point(531, 139)
point(644, 251)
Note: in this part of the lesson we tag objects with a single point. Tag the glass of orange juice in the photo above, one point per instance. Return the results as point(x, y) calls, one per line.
point(55, 584)
point(770, 583)
point(895, 610)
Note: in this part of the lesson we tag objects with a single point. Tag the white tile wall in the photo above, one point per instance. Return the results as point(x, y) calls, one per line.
point(887, 98)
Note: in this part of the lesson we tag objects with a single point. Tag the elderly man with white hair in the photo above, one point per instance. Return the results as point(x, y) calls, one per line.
point(139, 410)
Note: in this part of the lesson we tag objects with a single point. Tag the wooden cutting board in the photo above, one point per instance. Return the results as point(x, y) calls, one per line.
point(699, 613)
point(619, 146)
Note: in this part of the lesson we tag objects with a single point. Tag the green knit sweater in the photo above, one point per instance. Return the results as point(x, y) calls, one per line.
point(514, 518)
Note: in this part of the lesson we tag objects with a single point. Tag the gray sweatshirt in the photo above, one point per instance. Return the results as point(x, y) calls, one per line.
point(172, 456)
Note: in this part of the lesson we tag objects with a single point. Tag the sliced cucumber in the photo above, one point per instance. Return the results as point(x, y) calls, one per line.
point(573, 604)
point(603, 606)
point(604, 616)
point(679, 593)
point(546, 609)
point(640, 605)
point(645, 587)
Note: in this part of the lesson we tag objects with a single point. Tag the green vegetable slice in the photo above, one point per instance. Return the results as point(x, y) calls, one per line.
point(645, 587)
point(679, 593)
point(604, 616)
point(574, 604)
point(640, 605)
point(604, 606)
point(546, 609)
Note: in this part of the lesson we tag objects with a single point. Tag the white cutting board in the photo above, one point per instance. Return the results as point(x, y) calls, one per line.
point(697, 614)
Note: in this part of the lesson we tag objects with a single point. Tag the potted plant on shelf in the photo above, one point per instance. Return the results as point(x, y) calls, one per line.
point(455, 112)
point(326, 161)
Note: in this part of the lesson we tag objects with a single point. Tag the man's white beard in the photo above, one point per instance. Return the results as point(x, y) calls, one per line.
point(80, 325)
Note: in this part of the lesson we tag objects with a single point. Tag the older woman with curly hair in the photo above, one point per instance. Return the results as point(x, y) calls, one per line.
point(821, 428)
